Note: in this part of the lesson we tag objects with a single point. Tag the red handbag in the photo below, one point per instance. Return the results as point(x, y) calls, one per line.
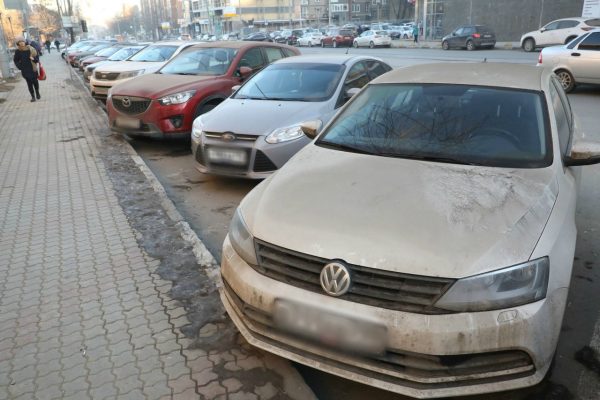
point(41, 72)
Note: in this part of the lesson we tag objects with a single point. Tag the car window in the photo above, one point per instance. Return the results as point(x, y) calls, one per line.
point(253, 59)
point(376, 68)
point(593, 22)
point(462, 124)
point(468, 30)
point(459, 31)
point(562, 120)
point(288, 52)
point(155, 53)
point(576, 41)
point(592, 42)
point(567, 24)
point(293, 82)
point(551, 26)
point(200, 61)
point(357, 77)
point(125, 53)
point(273, 54)
point(107, 52)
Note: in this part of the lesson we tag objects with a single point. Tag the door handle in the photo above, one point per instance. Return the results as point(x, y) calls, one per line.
point(575, 54)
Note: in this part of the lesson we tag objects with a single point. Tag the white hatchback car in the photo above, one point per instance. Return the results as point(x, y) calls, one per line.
point(561, 31)
point(310, 39)
point(373, 39)
point(147, 61)
point(424, 242)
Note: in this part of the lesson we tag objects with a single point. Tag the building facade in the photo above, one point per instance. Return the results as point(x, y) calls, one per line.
point(509, 19)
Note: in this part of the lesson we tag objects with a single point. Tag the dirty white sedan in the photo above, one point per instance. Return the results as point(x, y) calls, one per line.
point(424, 242)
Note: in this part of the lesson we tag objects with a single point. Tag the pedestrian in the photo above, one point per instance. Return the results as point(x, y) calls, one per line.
point(48, 44)
point(33, 43)
point(57, 44)
point(26, 60)
point(415, 33)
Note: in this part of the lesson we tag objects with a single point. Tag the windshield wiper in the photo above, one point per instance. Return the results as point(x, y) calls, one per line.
point(449, 160)
point(184, 73)
point(344, 147)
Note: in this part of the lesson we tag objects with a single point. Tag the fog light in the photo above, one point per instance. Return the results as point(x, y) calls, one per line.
point(177, 121)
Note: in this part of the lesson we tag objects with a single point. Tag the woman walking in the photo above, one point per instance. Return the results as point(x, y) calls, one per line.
point(26, 59)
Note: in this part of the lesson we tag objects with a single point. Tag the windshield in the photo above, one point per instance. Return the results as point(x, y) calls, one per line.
point(293, 82)
point(446, 123)
point(124, 53)
point(201, 61)
point(107, 52)
point(98, 47)
point(155, 53)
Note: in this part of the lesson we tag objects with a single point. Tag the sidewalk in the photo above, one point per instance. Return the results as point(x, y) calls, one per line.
point(103, 291)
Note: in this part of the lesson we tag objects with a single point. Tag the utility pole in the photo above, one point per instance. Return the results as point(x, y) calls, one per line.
point(4, 54)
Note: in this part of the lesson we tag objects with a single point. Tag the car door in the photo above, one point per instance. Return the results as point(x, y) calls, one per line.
point(548, 34)
point(566, 29)
point(252, 58)
point(584, 60)
point(357, 77)
point(364, 38)
point(456, 38)
point(466, 34)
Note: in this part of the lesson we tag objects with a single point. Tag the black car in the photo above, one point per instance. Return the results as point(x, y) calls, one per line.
point(470, 37)
point(258, 37)
point(289, 36)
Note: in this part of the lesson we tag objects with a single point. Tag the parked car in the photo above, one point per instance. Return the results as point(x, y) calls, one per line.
point(70, 53)
point(289, 36)
point(274, 103)
point(423, 243)
point(121, 55)
point(337, 38)
point(147, 61)
point(311, 39)
point(259, 37)
point(373, 39)
point(574, 63)
point(79, 55)
point(74, 47)
point(166, 103)
point(102, 55)
point(470, 37)
point(561, 31)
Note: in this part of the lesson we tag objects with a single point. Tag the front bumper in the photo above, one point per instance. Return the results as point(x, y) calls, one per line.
point(249, 298)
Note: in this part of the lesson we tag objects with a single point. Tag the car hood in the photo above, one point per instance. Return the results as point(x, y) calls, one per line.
point(123, 66)
point(261, 117)
point(158, 85)
point(94, 59)
point(93, 66)
point(415, 217)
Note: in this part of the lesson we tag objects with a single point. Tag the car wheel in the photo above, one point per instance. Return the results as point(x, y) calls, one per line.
point(529, 45)
point(334, 44)
point(470, 45)
point(569, 39)
point(371, 45)
point(445, 45)
point(355, 44)
point(203, 109)
point(566, 80)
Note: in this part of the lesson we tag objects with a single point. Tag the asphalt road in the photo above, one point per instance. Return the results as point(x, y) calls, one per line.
point(208, 203)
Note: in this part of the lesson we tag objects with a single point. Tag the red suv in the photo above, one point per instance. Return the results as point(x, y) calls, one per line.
point(165, 104)
point(338, 37)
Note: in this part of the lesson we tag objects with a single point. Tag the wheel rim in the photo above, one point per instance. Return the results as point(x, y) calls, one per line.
point(565, 79)
point(528, 45)
point(355, 44)
point(445, 45)
point(470, 46)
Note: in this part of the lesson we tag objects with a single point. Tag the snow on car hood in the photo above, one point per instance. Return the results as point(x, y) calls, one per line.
point(261, 117)
point(158, 85)
point(124, 66)
point(408, 216)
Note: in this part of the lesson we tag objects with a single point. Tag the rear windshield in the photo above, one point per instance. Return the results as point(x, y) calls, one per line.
point(155, 53)
point(446, 123)
point(293, 82)
point(200, 61)
point(483, 29)
point(593, 22)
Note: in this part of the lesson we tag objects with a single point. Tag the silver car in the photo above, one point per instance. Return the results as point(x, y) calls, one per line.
point(424, 242)
point(255, 131)
point(576, 62)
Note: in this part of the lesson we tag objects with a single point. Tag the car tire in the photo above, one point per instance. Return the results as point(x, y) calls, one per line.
point(355, 44)
point(334, 44)
point(204, 108)
point(470, 45)
point(371, 45)
point(445, 45)
point(566, 79)
point(529, 45)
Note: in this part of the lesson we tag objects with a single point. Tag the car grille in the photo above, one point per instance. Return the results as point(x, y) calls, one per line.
point(106, 76)
point(421, 371)
point(262, 163)
point(373, 287)
point(137, 105)
point(236, 136)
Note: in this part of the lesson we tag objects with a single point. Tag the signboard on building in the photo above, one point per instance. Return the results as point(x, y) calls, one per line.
point(66, 21)
point(591, 9)
point(229, 11)
point(165, 25)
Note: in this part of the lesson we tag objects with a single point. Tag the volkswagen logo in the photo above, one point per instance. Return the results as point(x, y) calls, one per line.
point(126, 101)
point(335, 279)
point(228, 137)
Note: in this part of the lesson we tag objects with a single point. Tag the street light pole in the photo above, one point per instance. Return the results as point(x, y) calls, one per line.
point(329, 10)
point(4, 54)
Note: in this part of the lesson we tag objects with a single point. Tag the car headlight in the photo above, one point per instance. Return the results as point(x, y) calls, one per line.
point(130, 74)
point(177, 98)
point(285, 134)
point(197, 128)
point(241, 239)
point(508, 287)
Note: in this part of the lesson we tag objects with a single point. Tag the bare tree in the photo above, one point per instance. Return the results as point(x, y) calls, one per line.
point(47, 21)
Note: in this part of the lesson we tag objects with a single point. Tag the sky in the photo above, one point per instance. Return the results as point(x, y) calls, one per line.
point(98, 12)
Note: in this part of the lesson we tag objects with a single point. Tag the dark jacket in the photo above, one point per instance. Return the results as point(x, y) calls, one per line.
point(22, 61)
point(36, 46)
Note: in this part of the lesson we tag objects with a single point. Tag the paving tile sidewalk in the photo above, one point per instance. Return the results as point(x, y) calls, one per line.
point(83, 312)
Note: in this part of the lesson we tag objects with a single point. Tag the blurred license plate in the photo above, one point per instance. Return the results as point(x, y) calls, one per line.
point(334, 330)
point(227, 156)
point(124, 122)
point(100, 90)
point(487, 36)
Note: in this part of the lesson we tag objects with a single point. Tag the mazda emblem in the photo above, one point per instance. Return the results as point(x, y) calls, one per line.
point(335, 279)
point(228, 137)
point(126, 101)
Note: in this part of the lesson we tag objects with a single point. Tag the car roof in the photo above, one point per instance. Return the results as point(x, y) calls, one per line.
point(325, 59)
point(580, 19)
point(508, 75)
point(235, 44)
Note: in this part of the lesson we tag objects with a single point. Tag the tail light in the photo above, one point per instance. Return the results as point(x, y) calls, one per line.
point(540, 58)
point(587, 28)
point(476, 35)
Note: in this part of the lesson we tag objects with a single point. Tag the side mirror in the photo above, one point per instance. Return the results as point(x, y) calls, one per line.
point(244, 72)
point(311, 128)
point(583, 153)
point(542, 30)
point(351, 92)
